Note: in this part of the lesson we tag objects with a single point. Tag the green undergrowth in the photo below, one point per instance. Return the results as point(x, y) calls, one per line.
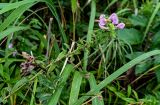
point(55, 52)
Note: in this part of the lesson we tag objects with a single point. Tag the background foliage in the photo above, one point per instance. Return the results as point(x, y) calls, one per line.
point(52, 52)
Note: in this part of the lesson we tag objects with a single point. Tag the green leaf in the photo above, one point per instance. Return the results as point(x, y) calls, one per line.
point(156, 39)
point(2, 5)
point(1, 70)
point(74, 5)
point(14, 15)
point(138, 20)
point(129, 90)
point(55, 97)
point(131, 36)
point(52, 8)
point(116, 74)
point(143, 66)
point(34, 91)
point(134, 55)
point(76, 83)
point(11, 30)
point(19, 84)
point(97, 100)
point(10, 6)
point(157, 71)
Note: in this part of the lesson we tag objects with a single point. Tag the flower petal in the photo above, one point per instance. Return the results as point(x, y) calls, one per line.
point(102, 26)
point(114, 18)
point(120, 26)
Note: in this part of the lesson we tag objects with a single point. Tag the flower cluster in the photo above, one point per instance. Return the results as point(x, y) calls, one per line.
point(113, 18)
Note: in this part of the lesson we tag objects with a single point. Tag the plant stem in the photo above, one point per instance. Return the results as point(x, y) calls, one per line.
point(89, 34)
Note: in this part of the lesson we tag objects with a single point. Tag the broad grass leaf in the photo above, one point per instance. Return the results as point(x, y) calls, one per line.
point(10, 6)
point(11, 30)
point(76, 83)
point(132, 36)
point(14, 15)
point(2, 5)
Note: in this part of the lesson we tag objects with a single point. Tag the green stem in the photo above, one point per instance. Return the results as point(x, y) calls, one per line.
point(74, 26)
point(89, 34)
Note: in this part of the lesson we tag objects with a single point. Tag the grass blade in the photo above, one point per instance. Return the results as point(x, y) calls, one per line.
point(77, 79)
point(117, 73)
point(11, 30)
point(54, 12)
point(34, 91)
point(55, 97)
point(110, 4)
point(92, 82)
point(10, 6)
point(90, 32)
point(14, 15)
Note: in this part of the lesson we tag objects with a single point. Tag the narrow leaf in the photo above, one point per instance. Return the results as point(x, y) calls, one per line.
point(55, 97)
point(97, 100)
point(77, 79)
point(10, 6)
point(14, 15)
point(11, 30)
point(117, 73)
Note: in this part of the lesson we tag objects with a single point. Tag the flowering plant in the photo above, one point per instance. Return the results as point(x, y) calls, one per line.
point(112, 20)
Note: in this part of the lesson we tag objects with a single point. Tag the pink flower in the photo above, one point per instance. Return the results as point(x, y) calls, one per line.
point(102, 21)
point(120, 26)
point(114, 18)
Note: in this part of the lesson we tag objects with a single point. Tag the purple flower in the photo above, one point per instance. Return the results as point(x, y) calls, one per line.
point(114, 18)
point(120, 26)
point(102, 21)
point(10, 45)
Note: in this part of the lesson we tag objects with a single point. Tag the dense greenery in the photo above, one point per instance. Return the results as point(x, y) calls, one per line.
point(79, 52)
